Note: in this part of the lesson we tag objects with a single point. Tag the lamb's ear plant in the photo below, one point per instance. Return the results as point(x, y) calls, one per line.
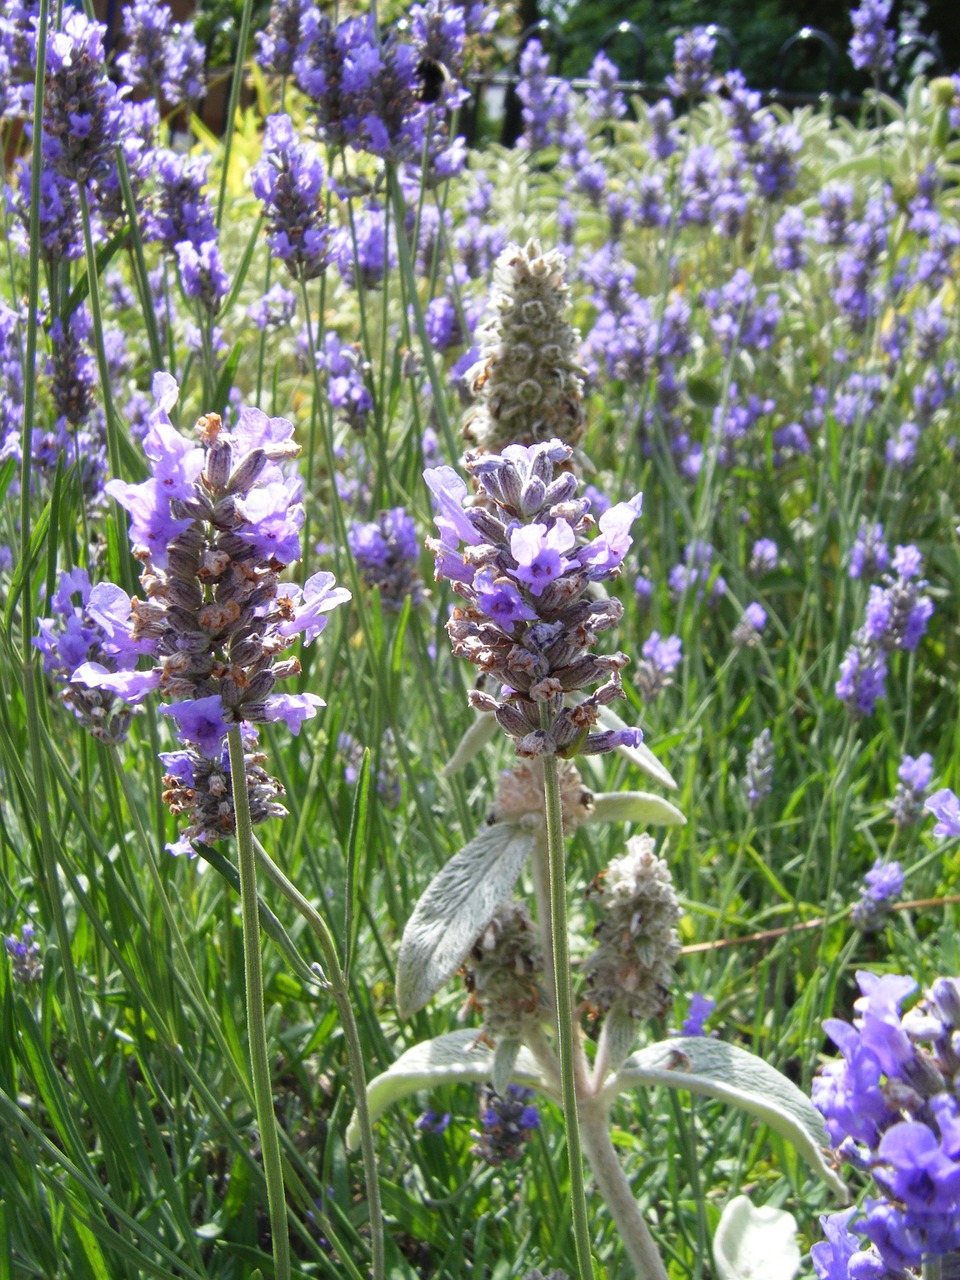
point(529, 563)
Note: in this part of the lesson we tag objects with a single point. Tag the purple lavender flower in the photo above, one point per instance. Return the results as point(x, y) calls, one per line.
point(346, 386)
point(386, 552)
point(202, 274)
point(161, 56)
point(289, 180)
point(833, 1256)
point(697, 570)
point(945, 807)
point(764, 557)
point(871, 47)
point(26, 955)
point(890, 1107)
point(698, 1011)
point(788, 236)
point(835, 205)
point(275, 309)
point(660, 119)
point(758, 773)
point(897, 613)
point(660, 658)
point(882, 884)
point(277, 44)
point(82, 119)
point(914, 776)
point(603, 97)
point(862, 679)
point(363, 254)
point(869, 554)
point(430, 1122)
point(775, 167)
point(748, 629)
point(692, 57)
point(507, 1124)
point(741, 106)
point(181, 209)
point(530, 535)
point(92, 634)
point(739, 316)
point(546, 100)
point(901, 449)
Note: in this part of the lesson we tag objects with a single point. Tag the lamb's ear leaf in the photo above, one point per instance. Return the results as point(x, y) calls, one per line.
point(641, 756)
point(635, 806)
point(753, 1243)
point(700, 1064)
point(473, 741)
point(456, 1058)
point(504, 1060)
point(458, 903)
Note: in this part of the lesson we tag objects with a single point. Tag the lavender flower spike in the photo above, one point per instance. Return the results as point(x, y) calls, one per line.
point(524, 573)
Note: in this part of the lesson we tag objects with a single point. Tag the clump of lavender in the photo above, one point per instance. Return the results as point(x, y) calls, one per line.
point(344, 366)
point(758, 773)
point(914, 776)
point(697, 570)
point(82, 116)
point(507, 1124)
point(180, 209)
point(764, 557)
point(872, 44)
point(213, 527)
point(882, 885)
point(523, 565)
point(660, 658)
point(546, 100)
point(604, 99)
point(386, 551)
point(631, 968)
point(26, 955)
point(890, 1108)
point(528, 381)
point(289, 179)
point(698, 1012)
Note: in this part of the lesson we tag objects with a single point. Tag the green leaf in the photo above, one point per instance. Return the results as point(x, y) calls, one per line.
point(699, 1064)
point(635, 806)
point(355, 845)
point(81, 289)
point(458, 903)
point(755, 1244)
point(457, 1058)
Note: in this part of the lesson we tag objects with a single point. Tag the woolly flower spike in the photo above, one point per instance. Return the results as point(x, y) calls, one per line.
point(890, 1106)
point(528, 381)
point(524, 571)
point(503, 973)
point(289, 179)
point(637, 943)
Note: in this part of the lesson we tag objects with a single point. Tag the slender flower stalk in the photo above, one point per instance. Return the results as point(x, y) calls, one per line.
point(256, 1018)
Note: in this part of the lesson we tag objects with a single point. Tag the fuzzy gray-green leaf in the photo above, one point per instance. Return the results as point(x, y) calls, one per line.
point(635, 806)
point(458, 903)
point(700, 1064)
point(752, 1243)
point(456, 1058)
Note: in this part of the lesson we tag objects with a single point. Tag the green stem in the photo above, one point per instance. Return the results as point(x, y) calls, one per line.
point(256, 1023)
point(351, 1034)
point(233, 104)
point(572, 1063)
point(931, 1269)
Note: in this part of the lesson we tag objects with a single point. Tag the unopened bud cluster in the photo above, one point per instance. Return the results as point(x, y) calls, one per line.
point(520, 557)
point(520, 792)
point(637, 944)
point(528, 381)
point(503, 973)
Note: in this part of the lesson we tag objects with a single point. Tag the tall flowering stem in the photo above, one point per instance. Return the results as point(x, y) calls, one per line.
point(256, 1019)
point(572, 1062)
point(340, 990)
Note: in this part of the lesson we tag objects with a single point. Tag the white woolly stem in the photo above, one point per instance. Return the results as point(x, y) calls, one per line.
point(615, 1190)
